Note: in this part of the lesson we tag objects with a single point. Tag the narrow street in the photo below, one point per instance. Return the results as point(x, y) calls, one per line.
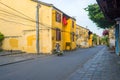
point(50, 67)
point(59, 40)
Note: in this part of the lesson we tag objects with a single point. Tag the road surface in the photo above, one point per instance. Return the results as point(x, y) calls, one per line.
point(50, 67)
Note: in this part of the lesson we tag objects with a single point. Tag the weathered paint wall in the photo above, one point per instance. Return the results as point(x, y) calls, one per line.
point(82, 34)
point(45, 29)
point(98, 40)
point(45, 41)
point(11, 43)
point(44, 33)
point(73, 29)
point(19, 29)
point(13, 22)
point(90, 40)
point(78, 35)
point(86, 37)
point(66, 34)
point(28, 41)
point(112, 37)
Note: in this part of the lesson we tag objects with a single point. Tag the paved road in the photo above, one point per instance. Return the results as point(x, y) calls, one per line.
point(49, 68)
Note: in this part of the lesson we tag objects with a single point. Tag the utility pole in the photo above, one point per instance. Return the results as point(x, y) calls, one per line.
point(37, 28)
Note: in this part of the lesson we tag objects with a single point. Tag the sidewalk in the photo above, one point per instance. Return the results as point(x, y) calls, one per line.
point(10, 58)
point(5, 53)
point(104, 66)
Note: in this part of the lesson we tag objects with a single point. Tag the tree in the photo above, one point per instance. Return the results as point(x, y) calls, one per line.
point(105, 40)
point(96, 15)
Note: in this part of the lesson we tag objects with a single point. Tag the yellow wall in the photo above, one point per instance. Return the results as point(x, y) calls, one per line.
point(98, 40)
point(16, 22)
point(82, 36)
point(86, 37)
point(65, 31)
point(11, 43)
point(55, 25)
point(12, 23)
point(19, 30)
point(78, 35)
point(45, 29)
point(28, 42)
point(67, 37)
point(90, 40)
point(66, 34)
point(73, 30)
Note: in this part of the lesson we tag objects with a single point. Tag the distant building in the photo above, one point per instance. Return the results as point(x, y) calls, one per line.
point(90, 39)
point(98, 40)
point(82, 36)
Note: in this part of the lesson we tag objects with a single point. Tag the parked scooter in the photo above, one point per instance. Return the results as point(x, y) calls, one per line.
point(57, 50)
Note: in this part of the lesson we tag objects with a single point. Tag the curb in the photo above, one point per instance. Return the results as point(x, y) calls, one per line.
point(10, 54)
point(16, 61)
point(32, 58)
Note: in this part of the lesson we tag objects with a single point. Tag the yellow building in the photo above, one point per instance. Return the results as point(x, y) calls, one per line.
point(18, 24)
point(64, 30)
point(69, 32)
point(90, 39)
point(82, 36)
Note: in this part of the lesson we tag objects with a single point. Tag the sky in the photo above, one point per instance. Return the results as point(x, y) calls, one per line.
point(75, 8)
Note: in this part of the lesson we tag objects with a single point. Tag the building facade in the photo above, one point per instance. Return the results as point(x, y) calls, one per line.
point(18, 24)
point(82, 36)
point(112, 37)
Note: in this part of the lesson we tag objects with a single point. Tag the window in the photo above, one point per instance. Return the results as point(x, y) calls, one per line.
point(72, 24)
point(58, 17)
point(72, 36)
point(58, 35)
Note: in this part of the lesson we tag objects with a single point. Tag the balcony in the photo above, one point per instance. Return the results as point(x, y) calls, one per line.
point(110, 8)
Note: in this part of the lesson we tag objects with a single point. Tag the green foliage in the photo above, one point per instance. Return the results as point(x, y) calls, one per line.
point(96, 15)
point(105, 40)
point(1, 37)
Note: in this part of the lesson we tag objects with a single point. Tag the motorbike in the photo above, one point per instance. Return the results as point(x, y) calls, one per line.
point(57, 50)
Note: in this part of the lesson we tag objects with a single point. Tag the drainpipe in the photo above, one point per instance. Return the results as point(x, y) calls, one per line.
point(117, 36)
point(37, 28)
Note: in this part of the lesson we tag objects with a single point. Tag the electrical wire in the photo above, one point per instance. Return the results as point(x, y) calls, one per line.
point(9, 14)
point(14, 10)
point(30, 19)
point(15, 22)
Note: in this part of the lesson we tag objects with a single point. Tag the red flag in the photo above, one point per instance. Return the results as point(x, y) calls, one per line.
point(64, 20)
